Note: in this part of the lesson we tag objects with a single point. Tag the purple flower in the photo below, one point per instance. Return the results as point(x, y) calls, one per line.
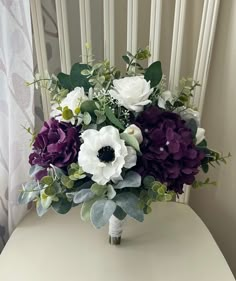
point(57, 143)
point(168, 151)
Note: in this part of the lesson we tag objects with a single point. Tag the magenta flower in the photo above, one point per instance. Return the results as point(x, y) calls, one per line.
point(168, 151)
point(57, 143)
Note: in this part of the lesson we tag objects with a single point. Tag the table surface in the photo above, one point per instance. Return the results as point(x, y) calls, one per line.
point(172, 244)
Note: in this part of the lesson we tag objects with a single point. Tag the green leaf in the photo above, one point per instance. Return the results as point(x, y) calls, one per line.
point(34, 170)
point(30, 191)
point(119, 213)
point(131, 179)
point(205, 168)
point(101, 212)
point(40, 209)
point(87, 118)
point(126, 59)
point(67, 182)
point(83, 195)
point(202, 144)
point(130, 204)
point(154, 73)
point(101, 117)
point(192, 124)
point(98, 189)
point(62, 206)
point(47, 180)
point(64, 80)
point(112, 118)
point(88, 106)
point(148, 180)
point(85, 209)
point(58, 172)
point(111, 193)
point(77, 78)
point(130, 140)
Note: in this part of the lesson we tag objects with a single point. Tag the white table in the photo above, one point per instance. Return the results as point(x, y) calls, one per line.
point(172, 244)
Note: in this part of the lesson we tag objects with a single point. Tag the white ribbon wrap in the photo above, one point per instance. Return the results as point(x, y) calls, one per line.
point(115, 226)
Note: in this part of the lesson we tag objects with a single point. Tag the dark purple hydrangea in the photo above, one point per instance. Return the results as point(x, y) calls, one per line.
point(57, 143)
point(168, 151)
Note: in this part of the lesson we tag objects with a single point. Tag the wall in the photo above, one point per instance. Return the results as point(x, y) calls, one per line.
point(217, 206)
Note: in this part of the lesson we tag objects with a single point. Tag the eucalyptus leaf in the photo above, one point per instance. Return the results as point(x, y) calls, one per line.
point(98, 189)
point(129, 203)
point(130, 140)
point(101, 212)
point(131, 179)
point(101, 117)
point(47, 180)
point(83, 195)
point(112, 118)
point(88, 106)
point(87, 118)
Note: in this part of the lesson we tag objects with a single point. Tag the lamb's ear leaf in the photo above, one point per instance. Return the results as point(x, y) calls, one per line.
point(101, 212)
point(129, 203)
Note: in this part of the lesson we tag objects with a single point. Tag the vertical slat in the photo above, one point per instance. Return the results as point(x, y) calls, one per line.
point(109, 30)
point(63, 32)
point(175, 61)
point(155, 30)
point(177, 43)
point(132, 25)
point(40, 47)
point(202, 63)
point(85, 25)
point(204, 49)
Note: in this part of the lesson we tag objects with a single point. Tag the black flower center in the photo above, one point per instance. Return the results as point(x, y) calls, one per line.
point(106, 154)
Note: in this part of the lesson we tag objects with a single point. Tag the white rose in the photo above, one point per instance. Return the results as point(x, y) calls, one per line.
point(188, 113)
point(132, 92)
point(134, 130)
point(73, 100)
point(200, 135)
point(164, 97)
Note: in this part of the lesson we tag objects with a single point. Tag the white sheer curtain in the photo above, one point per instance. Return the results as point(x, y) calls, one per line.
point(16, 108)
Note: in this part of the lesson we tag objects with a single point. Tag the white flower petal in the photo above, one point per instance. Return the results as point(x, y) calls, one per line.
point(131, 92)
point(200, 135)
point(131, 158)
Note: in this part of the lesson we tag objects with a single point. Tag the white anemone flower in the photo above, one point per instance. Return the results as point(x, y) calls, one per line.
point(103, 154)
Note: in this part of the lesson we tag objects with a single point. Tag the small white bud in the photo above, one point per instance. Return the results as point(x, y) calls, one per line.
point(133, 130)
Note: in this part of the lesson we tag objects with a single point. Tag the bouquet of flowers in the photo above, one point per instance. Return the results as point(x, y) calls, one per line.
point(115, 143)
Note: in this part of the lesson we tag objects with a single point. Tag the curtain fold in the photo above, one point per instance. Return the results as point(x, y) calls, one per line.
point(16, 109)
